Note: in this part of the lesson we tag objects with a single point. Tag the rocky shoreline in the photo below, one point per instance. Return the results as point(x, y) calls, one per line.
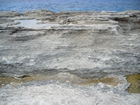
point(88, 45)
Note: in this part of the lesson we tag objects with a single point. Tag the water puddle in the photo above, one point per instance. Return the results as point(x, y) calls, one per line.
point(73, 79)
point(135, 83)
point(34, 24)
point(61, 77)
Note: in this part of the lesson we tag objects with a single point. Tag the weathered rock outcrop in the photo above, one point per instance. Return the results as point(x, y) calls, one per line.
point(71, 47)
point(84, 43)
point(65, 94)
point(9, 14)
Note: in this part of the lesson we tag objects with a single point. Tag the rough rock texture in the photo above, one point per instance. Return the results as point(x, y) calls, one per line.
point(55, 93)
point(86, 44)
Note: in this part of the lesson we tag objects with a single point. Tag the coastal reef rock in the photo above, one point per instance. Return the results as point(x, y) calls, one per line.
point(65, 94)
point(83, 45)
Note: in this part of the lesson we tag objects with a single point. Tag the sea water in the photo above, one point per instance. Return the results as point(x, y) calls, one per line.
point(69, 5)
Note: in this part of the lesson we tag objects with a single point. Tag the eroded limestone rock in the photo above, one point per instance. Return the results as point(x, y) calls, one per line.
point(70, 47)
point(87, 43)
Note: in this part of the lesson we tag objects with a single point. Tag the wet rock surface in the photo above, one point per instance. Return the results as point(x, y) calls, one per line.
point(56, 93)
point(85, 44)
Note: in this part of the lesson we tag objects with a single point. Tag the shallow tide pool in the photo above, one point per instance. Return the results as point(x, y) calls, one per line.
point(73, 79)
point(33, 23)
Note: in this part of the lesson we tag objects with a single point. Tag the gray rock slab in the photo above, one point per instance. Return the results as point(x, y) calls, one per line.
point(83, 43)
point(56, 93)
